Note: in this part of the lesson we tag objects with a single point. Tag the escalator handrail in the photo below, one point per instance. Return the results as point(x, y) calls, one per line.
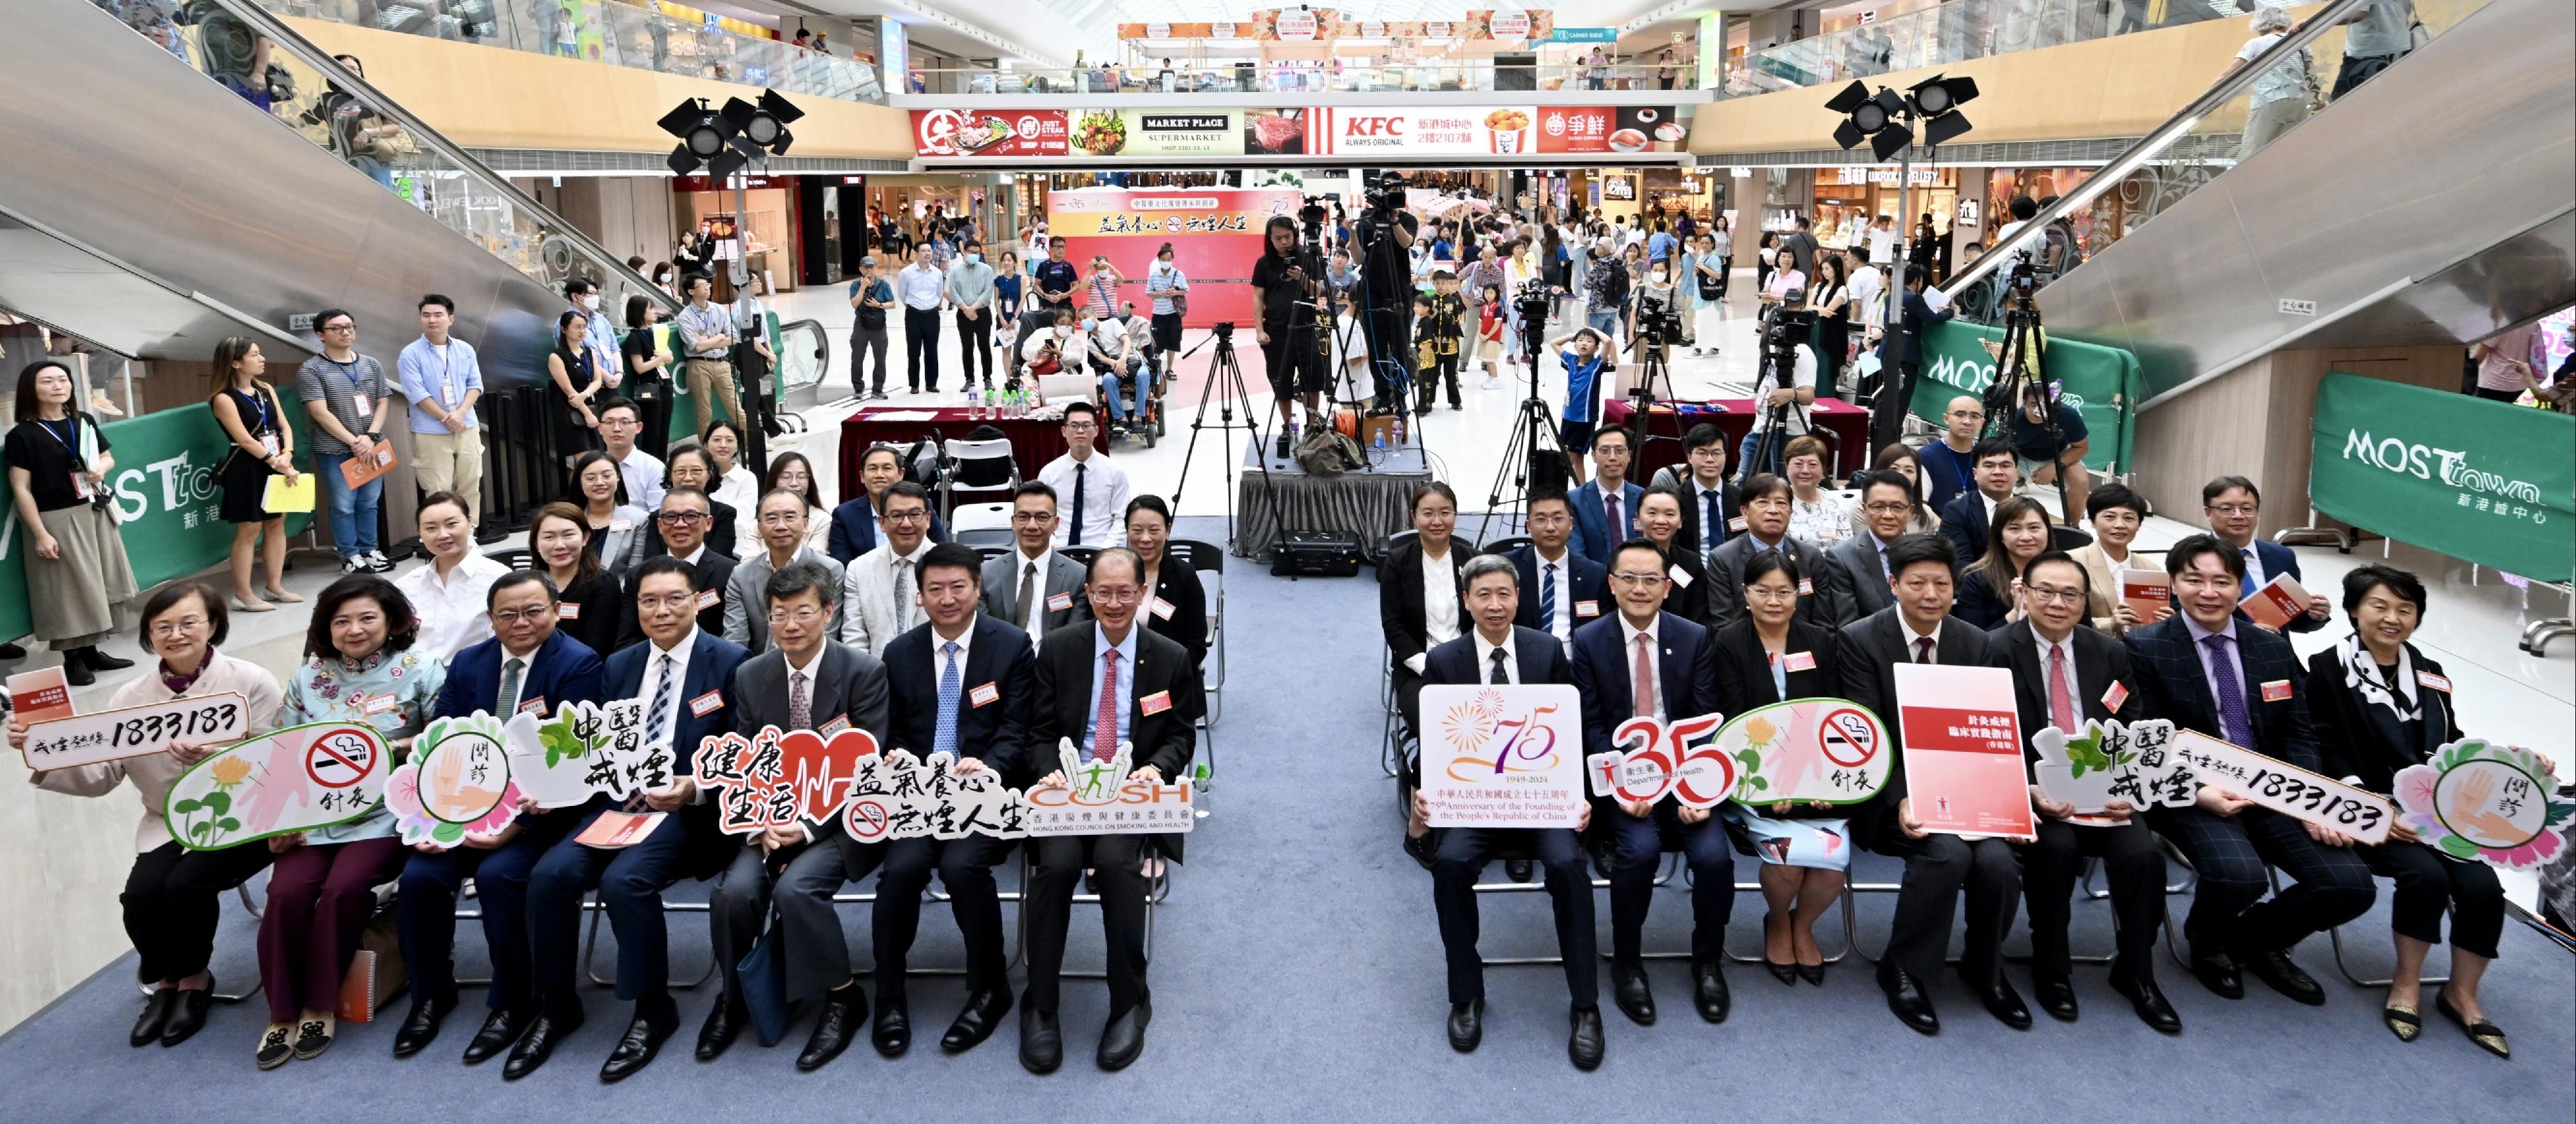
point(2147, 147)
point(305, 51)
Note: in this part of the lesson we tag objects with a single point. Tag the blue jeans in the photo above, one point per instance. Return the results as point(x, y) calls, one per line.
point(1135, 404)
point(1772, 460)
point(353, 513)
point(1603, 320)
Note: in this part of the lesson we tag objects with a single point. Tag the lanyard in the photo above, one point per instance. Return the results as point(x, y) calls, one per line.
point(447, 395)
point(70, 445)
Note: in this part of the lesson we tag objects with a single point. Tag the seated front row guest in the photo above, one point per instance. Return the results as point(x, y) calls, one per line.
point(1176, 604)
point(2379, 705)
point(2017, 533)
point(527, 665)
point(359, 666)
point(1497, 651)
point(170, 901)
point(1769, 656)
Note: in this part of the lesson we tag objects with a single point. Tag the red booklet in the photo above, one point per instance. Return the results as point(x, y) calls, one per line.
point(2145, 591)
point(40, 695)
point(613, 830)
point(2276, 603)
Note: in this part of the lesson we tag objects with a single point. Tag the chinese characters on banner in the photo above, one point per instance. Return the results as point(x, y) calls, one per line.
point(2109, 761)
point(1829, 751)
point(999, 132)
point(457, 783)
point(1459, 131)
point(1503, 756)
point(585, 750)
point(1602, 128)
point(133, 731)
point(2285, 788)
point(1963, 761)
point(774, 779)
point(777, 780)
point(2478, 800)
point(297, 779)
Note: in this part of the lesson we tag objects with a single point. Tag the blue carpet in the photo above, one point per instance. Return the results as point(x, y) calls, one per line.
point(1297, 973)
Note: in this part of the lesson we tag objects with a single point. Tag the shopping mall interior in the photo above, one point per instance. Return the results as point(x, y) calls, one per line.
point(2130, 238)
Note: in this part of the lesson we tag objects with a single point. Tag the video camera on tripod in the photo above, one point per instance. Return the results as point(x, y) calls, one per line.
point(1534, 303)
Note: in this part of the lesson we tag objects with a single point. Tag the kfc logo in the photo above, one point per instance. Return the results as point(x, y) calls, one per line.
point(1375, 127)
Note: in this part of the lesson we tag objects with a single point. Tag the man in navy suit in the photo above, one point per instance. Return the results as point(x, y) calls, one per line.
point(1605, 507)
point(960, 684)
point(1498, 651)
point(1609, 656)
point(2234, 509)
point(1566, 589)
point(855, 524)
point(2208, 669)
point(1965, 519)
point(1713, 509)
point(679, 674)
point(527, 665)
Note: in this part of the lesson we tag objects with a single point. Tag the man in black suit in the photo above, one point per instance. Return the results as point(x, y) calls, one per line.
point(1088, 679)
point(806, 682)
point(1567, 590)
point(963, 685)
point(2234, 508)
point(685, 517)
point(1498, 651)
point(1965, 520)
point(1766, 527)
point(2065, 676)
point(1860, 561)
point(2208, 669)
point(1715, 508)
point(1937, 866)
point(1611, 661)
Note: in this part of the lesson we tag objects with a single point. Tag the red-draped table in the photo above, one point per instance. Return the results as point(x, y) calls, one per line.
point(1735, 417)
point(1034, 441)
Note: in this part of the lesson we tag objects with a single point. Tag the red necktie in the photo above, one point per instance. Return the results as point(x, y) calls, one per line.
point(1923, 650)
point(1645, 679)
point(2061, 698)
point(1104, 726)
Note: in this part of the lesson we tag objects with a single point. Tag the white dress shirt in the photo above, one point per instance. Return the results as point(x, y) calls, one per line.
point(2253, 563)
point(451, 610)
point(1628, 634)
point(1032, 618)
point(1440, 597)
point(1485, 658)
point(1105, 493)
point(1907, 628)
point(1561, 625)
point(643, 473)
point(2074, 685)
point(939, 662)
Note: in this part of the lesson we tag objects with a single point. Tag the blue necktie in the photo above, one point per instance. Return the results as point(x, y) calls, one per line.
point(944, 737)
point(1547, 597)
point(1715, 528)
point(2233, 720)
point(656, 724)
point(2245, 584)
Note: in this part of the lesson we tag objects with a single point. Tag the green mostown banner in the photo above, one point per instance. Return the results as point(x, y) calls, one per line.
point(2483, 481)
point(166, 495)
point(2100, 382)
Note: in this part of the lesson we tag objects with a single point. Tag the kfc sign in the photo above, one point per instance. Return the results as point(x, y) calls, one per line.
point(1332, 131)
point(1012, 132)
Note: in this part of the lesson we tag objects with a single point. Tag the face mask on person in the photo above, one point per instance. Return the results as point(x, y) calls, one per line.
point(974, 259)
point(591, 302)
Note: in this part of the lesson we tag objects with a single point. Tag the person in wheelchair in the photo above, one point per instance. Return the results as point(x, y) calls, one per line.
point(1140, 336)
point(1050, 350)
point(1112, 356)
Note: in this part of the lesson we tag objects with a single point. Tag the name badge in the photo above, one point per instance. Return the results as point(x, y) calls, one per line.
point(378, 704)
point(537, 705)
point(984, 695)
point(2111, 699)
point(621, 524)
point(1735, 524)
point(2276, 690)
point(2436, 682)
point(365, 408)
point(707, 599)
point(1681, 578)
point(838, 723)
point(1162, 609)
point(568, 610)
point(1806, 587)
point(1587, 608)
point(1060, 602)
point(80, 485)
point(269, 442)
point(1799, 661)
point(1155, 703)
point(707, 704)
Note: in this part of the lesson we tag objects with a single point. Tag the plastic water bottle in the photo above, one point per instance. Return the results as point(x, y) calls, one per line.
point(974, 404)
point(1399, 431)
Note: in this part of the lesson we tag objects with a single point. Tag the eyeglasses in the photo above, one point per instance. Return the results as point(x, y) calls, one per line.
point(1080, 427)
point(339, 328)
point(178, 628)
point(1032, 518)
point(680, 518)
point(800, 616)
point(656, 604)
point(779, 518)
point(1626, 578)
point(514, 616)
point(1770, 593)
point(907, 516)
point(1887, 508)
point(2049, 594)
point(1119, 596)
point(2235, 508)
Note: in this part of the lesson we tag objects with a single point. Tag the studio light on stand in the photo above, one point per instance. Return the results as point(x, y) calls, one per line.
point(724, 142)
point(1892, 123)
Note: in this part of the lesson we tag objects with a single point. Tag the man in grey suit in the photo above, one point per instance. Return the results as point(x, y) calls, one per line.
point(1033, 588)
point(1859, 563)
point(805, 683)
point(1766, 527)
point(881, 590)
point(782, 540)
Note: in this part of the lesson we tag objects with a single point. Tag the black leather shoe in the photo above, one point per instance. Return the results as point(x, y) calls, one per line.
point(155, 1017)
point(2057, 997)
point(101, 661)
point(1906, 999)
point(843, 1011)
point(893, 1032)
point(2276, 968)
point(643, 1039)
point(77, 673)
point(2218, 973)
point(1709, 992)
point(2150, 1004)
point(1636, 999)
point(1785, 973)
point(1123, 1040)
point(982, 1016)
point(500, 1031)
point(1041, 1041)
point(1812, 973)
point(188, 1014)
point(1419, 847)
point(2001, 1001)
point(1584, 1045)
point(544, 1034)
point(1466, 1025)
point(722, 1025)
point(420, 1027)
point(1518, 870)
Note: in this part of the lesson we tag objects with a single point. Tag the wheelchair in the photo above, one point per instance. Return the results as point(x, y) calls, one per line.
point(1150, 425)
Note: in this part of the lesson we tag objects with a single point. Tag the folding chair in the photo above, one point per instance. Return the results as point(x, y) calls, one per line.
point(1851, 915)
point(1207, 560)
point(928, 896)
point(983, 468)
point(1505, 545)
point(590, 942)
point(1154, 897)
point(982, 526)
point(1670, 862)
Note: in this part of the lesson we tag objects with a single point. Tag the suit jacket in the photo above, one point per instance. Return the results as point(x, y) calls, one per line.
point(1594, 538)
point(996, 733)
point(1687, 599)
point(1177, 585)
point(1402, 612)
point(712, 659)
point(621, 550)
point(2100, 661)
point(1585, 580)
point(1063, 575)
point(1166, 739)
point(720, 532)
point(594, 612)
point(2363, 739)
point(2278, 560)
point(1860, 579)
point(1906, 343)
point(714, 573)
point(1536, 658)
point(854, 530)
point(1871, 647)
point(875, 606)
point(1730, 506)
point(1979, 603)
point(746, 601)
point(1744, 666)
point(1820, 597)
point(1687, 669)
point(2171, 685)
point(2104, 581)
point(1963, 522)
point(848, 685)
point(561, 670)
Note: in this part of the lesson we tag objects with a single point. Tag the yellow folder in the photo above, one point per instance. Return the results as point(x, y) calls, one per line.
point(284, 498)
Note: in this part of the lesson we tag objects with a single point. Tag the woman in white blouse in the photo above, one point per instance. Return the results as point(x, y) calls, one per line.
point(736, 485)
point(1816, 516)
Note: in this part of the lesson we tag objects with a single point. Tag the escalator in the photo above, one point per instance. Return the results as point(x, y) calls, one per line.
point(2434, 204)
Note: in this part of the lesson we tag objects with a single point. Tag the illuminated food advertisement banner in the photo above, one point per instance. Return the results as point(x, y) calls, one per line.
point(1001, 132)
point(1463, 131)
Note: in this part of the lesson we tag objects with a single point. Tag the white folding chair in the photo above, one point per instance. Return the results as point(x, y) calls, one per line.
point(981, 525)
point(985, 468)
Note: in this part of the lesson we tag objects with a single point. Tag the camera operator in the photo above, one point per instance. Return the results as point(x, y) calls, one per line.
point(1900, 356)
point(2045, 455)
point(1784, 390)
point(1382, 238)
point(1286, 282)
point(1658, 316)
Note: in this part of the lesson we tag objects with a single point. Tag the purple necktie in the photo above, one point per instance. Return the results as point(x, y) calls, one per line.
point(2232, 718)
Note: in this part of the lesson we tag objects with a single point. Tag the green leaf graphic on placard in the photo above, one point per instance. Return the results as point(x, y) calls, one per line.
point(217, 802)
point(2084, 754)
point(185, 806)
point(448, 832)
point(2559, 812)
point(2459, 846)
point(561, 743)
point(229, 824)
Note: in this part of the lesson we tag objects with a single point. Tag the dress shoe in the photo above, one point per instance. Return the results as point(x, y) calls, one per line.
point(843, 1011)
point(1812, 973)
point(1584, 1044)
point(2057, 997)
point(1785, 973)
point(544, 1034)
point(1419, 846)
point(1709, 992)
point(420, 1027)
point(635, 1050)
point(188, 1016)
point(500, 1031)
point(2275, 968)
point(101, 661)
point(1123, 1040)
point(1041, 1041)
point(78, 674)
point(2001, 1001)
point(155, 1016)
point(983, 1014)
point(2218, 973)
point(1466, 1025)
point(1906, 1000)
point(2150, 1004)
point(1518, 870)
point(2487, 1035)
point(722, 1025)
point(893, 1032)
point(1636, 999)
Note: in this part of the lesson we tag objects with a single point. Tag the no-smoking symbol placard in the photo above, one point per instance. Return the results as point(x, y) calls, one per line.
point(339, 758)
point(866, 819)
point(1849, 738)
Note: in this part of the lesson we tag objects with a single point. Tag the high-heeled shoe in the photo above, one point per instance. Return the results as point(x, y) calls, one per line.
point(1786, 973)
point(285, 596)
point(241, 606)
point(1812, 973)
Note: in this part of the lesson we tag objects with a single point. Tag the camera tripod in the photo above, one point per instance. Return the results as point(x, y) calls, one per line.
point(2018, 363)
point(1532, 460)
point(1778, 371)
point(1223, 385)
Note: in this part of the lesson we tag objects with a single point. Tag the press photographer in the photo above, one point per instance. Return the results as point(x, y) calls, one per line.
point(1783, 391)
point(1286, 286)
point(1901, 357)
point(1382, 240)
